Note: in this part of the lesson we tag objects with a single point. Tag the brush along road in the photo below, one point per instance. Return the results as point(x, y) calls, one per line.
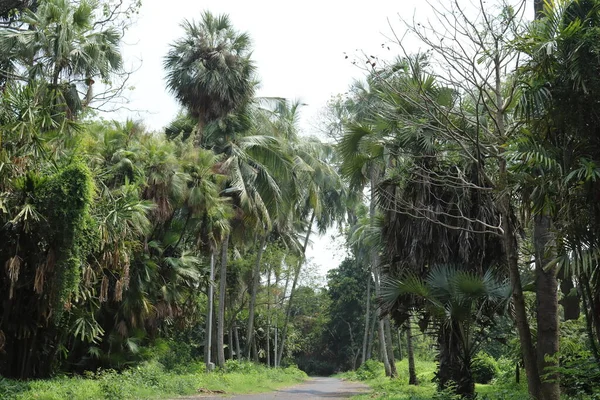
point(314, 388)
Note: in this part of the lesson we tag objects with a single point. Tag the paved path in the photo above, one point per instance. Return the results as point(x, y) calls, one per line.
point(314, 388)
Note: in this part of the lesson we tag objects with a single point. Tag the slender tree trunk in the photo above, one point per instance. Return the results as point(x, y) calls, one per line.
point(389, 346)
point(221, 316)
point(400, 355)
point(238, 351)
point(230, 341)
point(367, 325)
point(381, 325)
point(207, 340)
point(254, 350)
point(375, 176)
point(254, 290)
point(276, 360)
point(371, 336)
point(529, 356)
point(547, 307)
point(294, 283)
point(412, 374)
point(269, 316)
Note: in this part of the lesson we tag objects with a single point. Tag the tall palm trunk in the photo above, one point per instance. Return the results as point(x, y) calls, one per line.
point(221, 315)
point(294, 283)
point(269, 316)
point(199, 134)
point(209, 322)
point(389, 371)
point(367, 324)
point(412, 374)
point(254, 290)
point(238, 350)
point(547, 307)
point(371, 337)
point(400, 354)
point(380, 324)
point(389, 346)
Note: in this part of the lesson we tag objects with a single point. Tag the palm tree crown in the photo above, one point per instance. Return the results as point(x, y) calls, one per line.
point(209, 70)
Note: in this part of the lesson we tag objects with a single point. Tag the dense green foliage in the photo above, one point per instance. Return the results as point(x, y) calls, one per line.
point(151, 380)
point(136, 261)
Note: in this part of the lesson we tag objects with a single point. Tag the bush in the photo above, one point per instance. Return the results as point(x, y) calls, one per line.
point(484, 368)
point(371, 369)
point(244, 367)
point(111, 385)
point(173, 355)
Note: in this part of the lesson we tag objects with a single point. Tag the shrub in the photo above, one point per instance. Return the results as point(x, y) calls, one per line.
point(371, 369)
point(484, 368)
point(174, 355)
point(111, 385)
point(244, 367)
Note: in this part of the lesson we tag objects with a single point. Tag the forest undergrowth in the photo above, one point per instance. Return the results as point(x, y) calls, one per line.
point(151, 380)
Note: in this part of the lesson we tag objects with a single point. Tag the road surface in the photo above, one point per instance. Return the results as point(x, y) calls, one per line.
point(314, 388)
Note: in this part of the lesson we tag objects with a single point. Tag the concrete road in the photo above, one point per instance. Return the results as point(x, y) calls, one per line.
point(314, 388)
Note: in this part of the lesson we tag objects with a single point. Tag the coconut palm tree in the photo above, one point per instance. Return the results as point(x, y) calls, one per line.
point(209, 70)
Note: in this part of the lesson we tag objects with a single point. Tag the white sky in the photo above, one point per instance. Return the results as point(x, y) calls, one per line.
point(298, 47)
point(299, 51)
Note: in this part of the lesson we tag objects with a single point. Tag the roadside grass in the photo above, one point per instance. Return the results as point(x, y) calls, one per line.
point(399, 389)
point(151, 381)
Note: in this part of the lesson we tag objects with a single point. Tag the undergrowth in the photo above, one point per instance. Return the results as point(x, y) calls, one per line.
point(152, 381)
point(383, 388)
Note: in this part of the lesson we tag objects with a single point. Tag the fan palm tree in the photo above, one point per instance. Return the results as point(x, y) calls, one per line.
point(64, 48)
point(209, 70)
point(459, 302)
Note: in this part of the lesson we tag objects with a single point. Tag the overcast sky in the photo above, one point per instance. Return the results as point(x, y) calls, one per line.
point(299, 46)
point(299, 51)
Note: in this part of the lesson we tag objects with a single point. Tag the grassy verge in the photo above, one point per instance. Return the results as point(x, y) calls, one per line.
point(399, 389)
point(151, 381)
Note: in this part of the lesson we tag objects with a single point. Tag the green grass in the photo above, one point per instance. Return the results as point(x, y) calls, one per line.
point(151, 381)
point(399, 389)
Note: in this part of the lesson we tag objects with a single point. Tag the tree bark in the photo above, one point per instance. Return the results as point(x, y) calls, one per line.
point(221, 315)
point(230, 341)
point(529, 357)
point(238, 351)
point(400, 354)
point(269, 316)
point(389, 346)
point(208, 337)
point(383, 354)
point(375, 176)
point(199, 134)
point(547, 307)
point(371, 336)
point(412, 374)
point(255, 285)
point(367, 323)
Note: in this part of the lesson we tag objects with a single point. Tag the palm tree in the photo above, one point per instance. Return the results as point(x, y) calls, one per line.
point(459, 302)
point(209, 70)
point(64, 47)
